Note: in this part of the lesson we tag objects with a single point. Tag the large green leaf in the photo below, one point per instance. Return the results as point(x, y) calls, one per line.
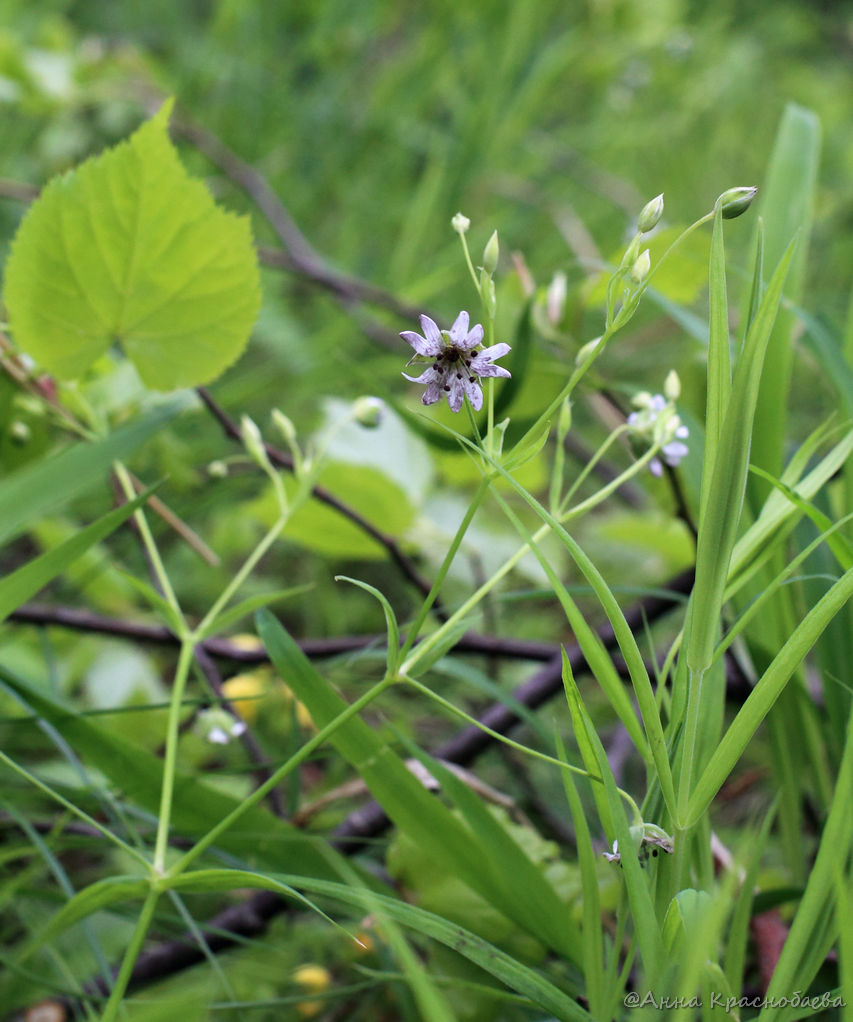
point(129, 248)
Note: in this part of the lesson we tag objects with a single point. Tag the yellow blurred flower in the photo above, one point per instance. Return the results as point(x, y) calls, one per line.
point(244, 692)
point(313, 979)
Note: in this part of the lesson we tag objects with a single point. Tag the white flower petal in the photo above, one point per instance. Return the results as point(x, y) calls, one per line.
point(474, 338)
point(459, 331)
point(432, 334)
point(474, 394)
point(496, 351)
point(484, 369)
point(456, 395)
point(421, 345)
point(432, 393)
point(431, 374)
point(655, 467)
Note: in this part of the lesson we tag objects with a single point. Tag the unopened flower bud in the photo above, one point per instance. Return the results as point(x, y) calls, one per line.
point(253, 442)
point(564, 422)
point(736, 201)
point(460, 223)
point(217, 470)
point(491, 253)
point(555, 298)
point(368, 411)
point(284, 425)
point(631, 253)
point(20, 432)
point(640, 269)
point(487, 294)
point(650, 215)
point(672, 386)
point(587, 350)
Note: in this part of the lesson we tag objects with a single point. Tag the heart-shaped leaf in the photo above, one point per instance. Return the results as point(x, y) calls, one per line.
point(129, 248)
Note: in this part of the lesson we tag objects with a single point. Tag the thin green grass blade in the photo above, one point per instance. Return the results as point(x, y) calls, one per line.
point(196, 806)
point(41, 489)
point(393, 653)
point(728, 482)
point(738, 933)
point(589, 641)
point(646, 930)
point(508, 856)
point(719, 356)
point(24, 583)
point(592, 943)
point(765, 693)
point(816, 906)
point(222, 622)
point(787, 202)
point(412, 808)
point(508, 970)
point(779, 512)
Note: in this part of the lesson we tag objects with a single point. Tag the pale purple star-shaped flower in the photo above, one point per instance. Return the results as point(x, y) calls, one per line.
point(457, 366)
point(645, 424)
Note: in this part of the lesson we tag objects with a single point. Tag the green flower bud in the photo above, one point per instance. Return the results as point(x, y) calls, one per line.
point(217, 470)
point(640, 269)
point(736, 201)
point(564, 422)
point(672, 386)
point(487, 294)
point(20, 432)
point(254, 443)
point(368, 411)
point(650, 215)
point(284, 425)
point(491, 253)
point(460, 223)
point(631, 253)
point(587, 350)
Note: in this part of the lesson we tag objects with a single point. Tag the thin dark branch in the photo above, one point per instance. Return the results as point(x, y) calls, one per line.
point(284, 460)
point(299, 256)
point(240, 652)
point(251, 917)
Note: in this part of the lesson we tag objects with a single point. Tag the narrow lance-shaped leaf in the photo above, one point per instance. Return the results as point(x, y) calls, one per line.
point(728, 480)
point(129, 248)
point(787, 201)
point(43, 488)
point(18, 587)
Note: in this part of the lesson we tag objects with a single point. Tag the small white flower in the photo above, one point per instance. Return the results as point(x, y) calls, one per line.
point(457, 365)
point(613, 856)
point(217, 726)
point(656, 422)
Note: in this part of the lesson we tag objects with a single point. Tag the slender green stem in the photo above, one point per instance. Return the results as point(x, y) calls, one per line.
point(240, 577)
point(171, 758)
point(593, 461)
point(148, 539)
point(468, 262)
point(420, 651)
point(611, 487)
point(259, 793)
point(526, 750)
point(418, 623)
point(79, 813)
point(130, 956)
